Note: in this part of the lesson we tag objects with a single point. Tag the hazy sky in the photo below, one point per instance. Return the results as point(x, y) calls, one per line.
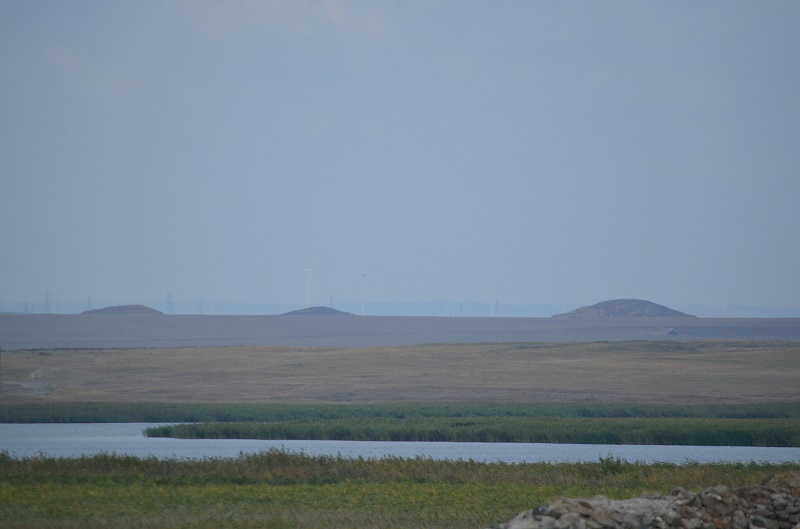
point(574, 151)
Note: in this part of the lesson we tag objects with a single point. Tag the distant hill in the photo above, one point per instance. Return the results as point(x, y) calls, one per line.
point(318, 311)
point(124, 309)
point(624, 308)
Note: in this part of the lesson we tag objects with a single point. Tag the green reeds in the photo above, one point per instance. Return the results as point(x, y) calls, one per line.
point(662, 431)
point(77, 412)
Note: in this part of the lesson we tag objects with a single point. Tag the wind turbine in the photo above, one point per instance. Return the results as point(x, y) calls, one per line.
point(363, 288)
point(307, 271)
point(491, 301)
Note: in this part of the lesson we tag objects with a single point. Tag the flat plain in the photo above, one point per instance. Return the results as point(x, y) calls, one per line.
point(676, 372)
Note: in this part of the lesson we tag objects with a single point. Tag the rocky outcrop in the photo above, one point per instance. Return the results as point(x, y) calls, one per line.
point(773, 505)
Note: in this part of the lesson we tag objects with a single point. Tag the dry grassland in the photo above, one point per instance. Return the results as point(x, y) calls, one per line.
point(644, 372)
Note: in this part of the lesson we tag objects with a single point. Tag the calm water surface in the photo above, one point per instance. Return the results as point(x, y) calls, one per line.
point(75, 440)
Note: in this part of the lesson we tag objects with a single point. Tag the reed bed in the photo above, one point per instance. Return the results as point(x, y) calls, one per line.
point(663, 431)
point(83, 412)
point(735, 425)
point(285, 490)
point(753, 425)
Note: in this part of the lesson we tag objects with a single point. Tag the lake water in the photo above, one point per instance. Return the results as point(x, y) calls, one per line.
point(75, 440)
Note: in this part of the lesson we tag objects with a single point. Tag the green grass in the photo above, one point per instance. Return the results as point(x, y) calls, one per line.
point(83, 412)
point(663, 431)
point(282, 490)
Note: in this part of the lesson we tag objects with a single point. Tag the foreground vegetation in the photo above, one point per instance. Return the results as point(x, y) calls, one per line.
point(282, 490)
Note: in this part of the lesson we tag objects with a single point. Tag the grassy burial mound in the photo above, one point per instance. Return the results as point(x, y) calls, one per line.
point(317, 311)
point(624, 308)
point(123, 309)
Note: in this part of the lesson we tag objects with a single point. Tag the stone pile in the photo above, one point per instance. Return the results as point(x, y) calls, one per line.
point(773, 505)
